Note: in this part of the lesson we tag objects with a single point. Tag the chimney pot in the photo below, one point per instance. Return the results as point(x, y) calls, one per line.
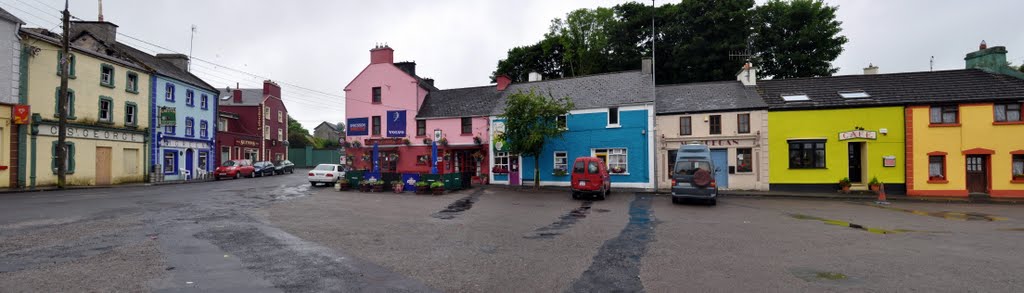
point(983, 45)
point(871, 69)
point(503, 82)
point(647, 65)
point(236, 95)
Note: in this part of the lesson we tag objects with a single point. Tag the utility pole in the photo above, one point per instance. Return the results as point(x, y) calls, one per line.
point(62, 101)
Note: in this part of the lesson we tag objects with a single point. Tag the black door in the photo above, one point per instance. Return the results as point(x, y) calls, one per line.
point(855, 161)
point(977, 175)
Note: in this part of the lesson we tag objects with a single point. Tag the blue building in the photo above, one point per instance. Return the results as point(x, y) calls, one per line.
point(613, 120)
point(184, 150)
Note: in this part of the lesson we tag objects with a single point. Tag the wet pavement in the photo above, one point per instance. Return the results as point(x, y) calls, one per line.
point(278, 234)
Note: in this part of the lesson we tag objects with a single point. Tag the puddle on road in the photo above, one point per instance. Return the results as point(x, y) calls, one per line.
point(459, 206)
point(564, 222)
point(855, 226)
point(963, 216)
point(290, 192)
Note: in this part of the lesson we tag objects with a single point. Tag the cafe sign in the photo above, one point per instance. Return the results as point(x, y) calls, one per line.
point(383, 141)
point(167, 116)
point(246, 143)
point(865, 134)
point(97, 134)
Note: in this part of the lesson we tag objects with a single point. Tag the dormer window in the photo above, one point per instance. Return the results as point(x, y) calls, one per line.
point(854, 95)
point(795, 97)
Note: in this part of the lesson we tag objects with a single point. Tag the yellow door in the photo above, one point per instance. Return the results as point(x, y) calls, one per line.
point(102, 166)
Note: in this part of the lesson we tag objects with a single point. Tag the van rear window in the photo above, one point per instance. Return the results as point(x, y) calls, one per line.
point(592, 168)
point(688, 167)
point(578, 168)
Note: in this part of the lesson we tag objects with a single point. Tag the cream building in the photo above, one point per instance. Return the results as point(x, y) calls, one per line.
point(729, 117)
point(108, 114)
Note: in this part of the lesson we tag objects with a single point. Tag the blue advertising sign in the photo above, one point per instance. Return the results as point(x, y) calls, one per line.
point(358, 126)
point(396, 123)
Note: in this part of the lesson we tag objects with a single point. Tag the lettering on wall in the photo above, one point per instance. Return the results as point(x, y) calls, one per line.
point(97, 134)
point(246, 143)
point(866, 134)
point(396, 123)
point(721, 142)
point(185, 144)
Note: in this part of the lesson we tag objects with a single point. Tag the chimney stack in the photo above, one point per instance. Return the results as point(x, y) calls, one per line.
point(103, 31)
point(271, 88)
point(503, 82)
point(747, 75)
point(991, 59)
point(534, 76)
point(871, 69)
point(179, 60)
point(407, 66)
point(382, 54)
point(429, 81)
point(983, 45)
point(236, 95)
point(647, 66)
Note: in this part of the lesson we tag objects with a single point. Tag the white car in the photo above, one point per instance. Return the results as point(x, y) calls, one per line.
point(326, 173)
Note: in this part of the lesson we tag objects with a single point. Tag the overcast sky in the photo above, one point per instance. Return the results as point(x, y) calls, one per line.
point(322, 45)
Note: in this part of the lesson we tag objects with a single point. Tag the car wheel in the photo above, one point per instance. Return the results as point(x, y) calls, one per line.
point(601, 193)
point(312, 183)
point(713, 202)
point(238, 175)
point(675, 201)
point(575, 195)
point(216, 178)
point(252, 175)
point(608, 191)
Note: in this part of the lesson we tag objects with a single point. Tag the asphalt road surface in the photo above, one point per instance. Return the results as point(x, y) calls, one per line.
point(278, 234)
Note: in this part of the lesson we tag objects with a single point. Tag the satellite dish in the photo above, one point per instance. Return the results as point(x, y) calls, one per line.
point(225, 98)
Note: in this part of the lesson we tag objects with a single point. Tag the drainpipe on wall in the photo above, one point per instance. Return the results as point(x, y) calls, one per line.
point(35, 130)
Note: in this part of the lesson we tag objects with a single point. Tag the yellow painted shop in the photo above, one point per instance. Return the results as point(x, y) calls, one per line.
point(811, 150)
point(108, 111)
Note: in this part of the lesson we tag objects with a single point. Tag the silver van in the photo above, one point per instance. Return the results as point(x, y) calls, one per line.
point(694, 175)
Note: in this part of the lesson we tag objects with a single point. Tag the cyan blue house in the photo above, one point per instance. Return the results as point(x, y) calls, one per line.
point(613, 120)
point(184, 150)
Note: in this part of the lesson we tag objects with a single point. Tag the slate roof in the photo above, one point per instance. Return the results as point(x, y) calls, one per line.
point(460, 102)
point(250, 97)
point(162, 67)
point(962, 85)
point(591, 91)
point(707, 97)
point(8, 16)
point(113, 54)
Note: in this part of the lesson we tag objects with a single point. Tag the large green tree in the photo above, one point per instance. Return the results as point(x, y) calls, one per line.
point(298, 136)
point(696, 38)
point(798, 38)
point(530, 120)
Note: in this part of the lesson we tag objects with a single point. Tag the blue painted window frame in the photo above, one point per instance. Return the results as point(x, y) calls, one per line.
point(204, 130)
point(190, 98)
point(163, 159)
point(204, 101)
point(169, 92)
point(199, 156)
point(190, 125)
point(170, 129)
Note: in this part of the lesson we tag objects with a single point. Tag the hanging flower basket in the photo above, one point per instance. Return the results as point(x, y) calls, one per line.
point(406, 141)
point(477, 140)
point(443, 141)
point(618, 170)
point(427, 141)
point(356, 144)
point(499, 170)
point(393, 157)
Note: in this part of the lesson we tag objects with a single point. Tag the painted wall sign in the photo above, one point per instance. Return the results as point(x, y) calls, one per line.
point(167, 116)
point(499, 130)
point(866, 134)
point(396, 123)
point(437, 135)
point(358, 126)
point(21, 113)
point(382, 141)
point(98, 134)
point(888, 161)
point(246, 142)
point(185, 144)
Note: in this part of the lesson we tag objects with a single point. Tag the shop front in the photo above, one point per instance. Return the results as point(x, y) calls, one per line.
point(96, 155)
point(185, 159)
point(812, 150)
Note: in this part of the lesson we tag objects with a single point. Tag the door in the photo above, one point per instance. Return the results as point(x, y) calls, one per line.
point(855, 161)
point(189, 157)
point(721, 160)
point(977, 174)
point(102, 166)
point(513, 170)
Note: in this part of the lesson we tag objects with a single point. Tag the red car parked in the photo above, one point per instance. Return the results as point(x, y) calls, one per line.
point(234, 169)
point(590, 176)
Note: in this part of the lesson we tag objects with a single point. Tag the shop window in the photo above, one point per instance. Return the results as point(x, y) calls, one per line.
point(421, 127)
point(561, 161)
point(69, 160)
point(376, 126)
point(1007, 112)
point(203, 158)
point(388, 162)
point(1018, 167)
point(744, 160)
point(615, 159)
point(806, 154)
point(715, 124)
point(936, 168)
point(671, 158)
point(107, 75)
point(944, 115)
point(743, 123)
point(376, 95)
point(501, 161)
point(467, 125)
point(170, 162)
point(685, 126)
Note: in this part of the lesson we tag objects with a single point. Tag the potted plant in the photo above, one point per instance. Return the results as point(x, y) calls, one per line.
point(477, 140)
point(618, 170)
point(560, 172)
point(845, 184)
point(443, 141)
point(343, 184)
point(437, 187)
point(874, 183)
point(356, 144)
point(427, 141)
point(393, 157)
point(406, 141)
point(422, 187)
point(397, 186)
point(364, 186)
point(377, 186)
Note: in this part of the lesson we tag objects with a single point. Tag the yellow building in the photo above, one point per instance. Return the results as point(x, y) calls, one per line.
point(108, 112)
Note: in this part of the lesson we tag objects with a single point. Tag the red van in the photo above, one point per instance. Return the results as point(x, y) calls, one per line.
point(590, 176)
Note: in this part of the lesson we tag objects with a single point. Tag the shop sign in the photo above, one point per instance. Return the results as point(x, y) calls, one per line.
point(721, 142)
point(358, 126)
point(888, 161)
point(382, 141)
point(866, 134)
point(21, 114)
point(167, 116)
point(184, 144)
point(246, 143)
point(98, 134)
point(396, 123)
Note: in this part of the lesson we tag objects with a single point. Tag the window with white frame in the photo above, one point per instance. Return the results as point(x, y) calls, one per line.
point(222, 124)
point(203, 129)
point(190, 98)
point(106, 109)
point(204, 101)
point(280, 134)
point(616, 159)
point(280, 116)
point(561, 161)
point(501, 161)
point(169, 92)
point(266, 132)
point(189, 123)
point(266, 113)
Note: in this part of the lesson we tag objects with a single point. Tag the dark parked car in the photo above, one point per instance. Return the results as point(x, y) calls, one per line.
point(284, 166)
point(264, 168)
point(694, 175)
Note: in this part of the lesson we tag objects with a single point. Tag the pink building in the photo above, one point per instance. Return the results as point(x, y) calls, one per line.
point(387, 104)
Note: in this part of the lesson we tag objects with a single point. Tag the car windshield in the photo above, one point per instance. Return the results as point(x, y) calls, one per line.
point(688, 167)
point(229, 164)
point(324, 168)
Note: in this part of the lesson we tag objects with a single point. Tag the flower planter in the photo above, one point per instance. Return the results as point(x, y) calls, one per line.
point(397, 188)
point(846, 189)
point(378, 188)
point(438, 190)
point(874, 187)
point(364, 187)
point(422, 189)
point(343, 186)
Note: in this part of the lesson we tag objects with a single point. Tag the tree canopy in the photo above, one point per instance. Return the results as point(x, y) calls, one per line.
point(298, 136)
point(696, 40)
point(530, 120)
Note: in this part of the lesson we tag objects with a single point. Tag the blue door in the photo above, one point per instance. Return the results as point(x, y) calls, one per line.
point(188, 164)
point(721, 160)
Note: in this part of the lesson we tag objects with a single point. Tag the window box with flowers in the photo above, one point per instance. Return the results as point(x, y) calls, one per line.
point(618, 170)
point(499, 170)
point(560, 172)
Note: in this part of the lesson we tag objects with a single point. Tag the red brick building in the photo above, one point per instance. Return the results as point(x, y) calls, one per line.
point(252, 124)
